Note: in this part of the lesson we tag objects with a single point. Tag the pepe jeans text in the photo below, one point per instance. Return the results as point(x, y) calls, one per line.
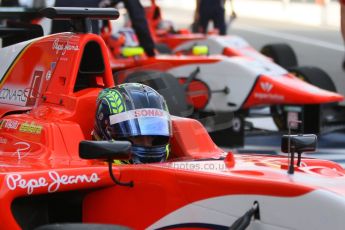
point(15, 181)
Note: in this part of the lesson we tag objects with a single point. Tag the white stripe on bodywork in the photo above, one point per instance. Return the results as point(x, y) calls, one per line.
point(237, 73)
point(317, 210)
point(9, 54)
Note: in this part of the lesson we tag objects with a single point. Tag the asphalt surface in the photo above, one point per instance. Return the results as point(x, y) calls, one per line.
point(314, 45)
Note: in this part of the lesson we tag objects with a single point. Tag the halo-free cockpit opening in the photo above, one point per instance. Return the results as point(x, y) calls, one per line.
point(91, 70)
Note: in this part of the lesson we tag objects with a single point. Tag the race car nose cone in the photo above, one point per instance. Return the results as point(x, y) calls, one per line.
point(288, 89)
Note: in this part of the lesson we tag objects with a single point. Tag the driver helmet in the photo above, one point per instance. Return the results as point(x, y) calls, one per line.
point(136, 113)
point(125, 43)
point(128, 36)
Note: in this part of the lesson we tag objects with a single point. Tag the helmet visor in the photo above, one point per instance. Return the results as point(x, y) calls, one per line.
point(140, 122)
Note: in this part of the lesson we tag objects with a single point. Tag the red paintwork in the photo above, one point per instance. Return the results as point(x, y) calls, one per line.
point(198, 93)
point(159, 62)
point(230, 52)
point(197, 145)
point(288, 89)
point(39, 148)
point(164, 189)
point(173, 41)
point(46, 138)
point(164, 35)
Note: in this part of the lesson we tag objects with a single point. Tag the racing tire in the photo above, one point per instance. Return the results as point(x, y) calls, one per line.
point(312, 75)
point(281, 54)
point(80, 226)
point(279, 117)
point(168, 86)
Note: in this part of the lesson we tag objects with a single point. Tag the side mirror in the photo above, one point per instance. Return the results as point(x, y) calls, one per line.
point(106, 150)
point(299, 143)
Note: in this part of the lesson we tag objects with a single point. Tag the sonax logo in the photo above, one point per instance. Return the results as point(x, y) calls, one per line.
point(266, 86)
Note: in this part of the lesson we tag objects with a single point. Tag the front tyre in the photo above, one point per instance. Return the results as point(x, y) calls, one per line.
point(282, 114)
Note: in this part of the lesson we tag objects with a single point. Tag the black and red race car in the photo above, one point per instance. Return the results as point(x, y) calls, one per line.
point(48, 90)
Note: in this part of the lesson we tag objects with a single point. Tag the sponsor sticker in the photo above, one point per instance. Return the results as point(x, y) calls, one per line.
point(22, 149)
point(50, 71)
point(138, 113)
point(11, 124)
point(48, 75)
point(266, 86)
point(21, 95)
point(30, 128)
point(268, 96)
point(60, 46)
point(34, 89)
point(52, 65)
point(3, 140)
point(13, 95)
point(53, 181)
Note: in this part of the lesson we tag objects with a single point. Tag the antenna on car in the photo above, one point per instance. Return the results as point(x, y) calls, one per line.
point(291, 154)
point(80, 17)
point(300, 143)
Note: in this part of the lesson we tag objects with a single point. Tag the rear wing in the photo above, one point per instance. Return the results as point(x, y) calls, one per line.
point(21, 13)
point(18, 27)
point(80, 17)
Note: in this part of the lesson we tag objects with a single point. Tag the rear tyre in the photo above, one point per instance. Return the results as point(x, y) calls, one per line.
point(282, 54)
point(279, 117)
point(314, 76)
point(168, 86)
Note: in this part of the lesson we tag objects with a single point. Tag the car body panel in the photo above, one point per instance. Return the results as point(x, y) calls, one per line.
point(243, 77)
point(201, 183)
point(191, 194)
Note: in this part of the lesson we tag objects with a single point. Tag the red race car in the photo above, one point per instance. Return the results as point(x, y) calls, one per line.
point(48, 91)
point(219, 91)
point(216, 84)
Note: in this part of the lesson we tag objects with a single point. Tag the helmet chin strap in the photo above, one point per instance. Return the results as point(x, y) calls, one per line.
point(143, 154)
point(108, 132)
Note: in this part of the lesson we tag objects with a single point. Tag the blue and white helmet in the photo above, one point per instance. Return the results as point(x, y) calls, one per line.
point(134, 110)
